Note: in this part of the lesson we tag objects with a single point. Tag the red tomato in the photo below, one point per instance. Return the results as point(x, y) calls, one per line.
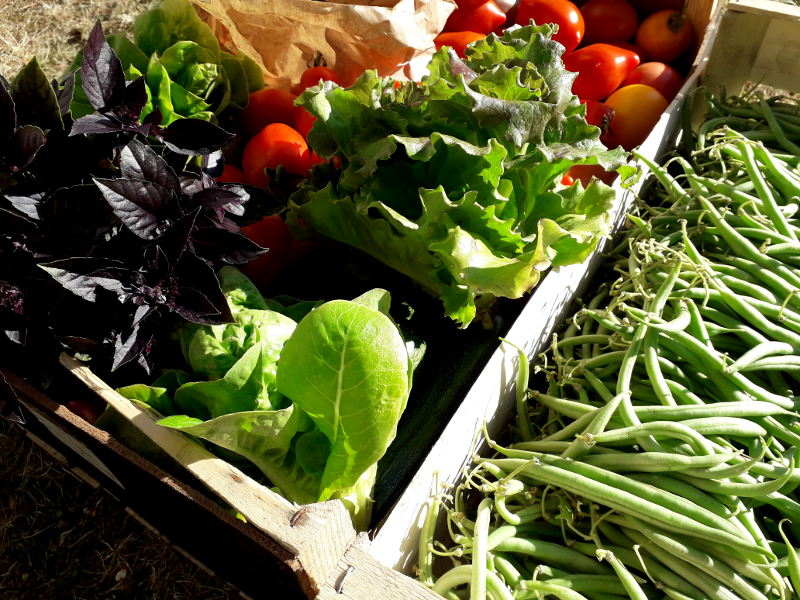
point(633, 48)
point(481, 18)
point(609, 21)
point(659, 76)
point(270, 232)
point(665, 35)
point(312, 75)
point(231, 174)
point(637, 109)
point(86, 409)
point(597, 113)
point(457, 40)
point(601, 69)
point(561, 12)
point(584, 174)
point(648, 7)
point(276, 144)
point(267, 106)
point(567, 179)
point(303, 121)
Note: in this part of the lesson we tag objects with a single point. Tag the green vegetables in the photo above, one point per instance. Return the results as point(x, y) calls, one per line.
point(455, 182)
point(661, 460)
point(314, 404)
point(186, 72)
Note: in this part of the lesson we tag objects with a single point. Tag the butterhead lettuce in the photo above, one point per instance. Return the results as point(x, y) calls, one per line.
point(455, 181)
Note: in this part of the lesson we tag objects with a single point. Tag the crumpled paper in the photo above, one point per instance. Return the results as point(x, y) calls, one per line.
point(285, 37)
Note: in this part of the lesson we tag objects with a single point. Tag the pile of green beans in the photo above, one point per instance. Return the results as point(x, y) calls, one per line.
point(658, 457)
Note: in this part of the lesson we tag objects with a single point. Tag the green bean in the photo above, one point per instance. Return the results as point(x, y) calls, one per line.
point(477, 582)
point(770, 348)
point(685, 490)
point(793, 562)
point(540, 588)
point(730, 488)
point(776, 129)
point(754, 408)
point(557, 447)
point(573, 428)
point(606, 584)
point(462, 574)
point(657, 429)
point(570, 408)
point(582, 444)
point(745, 568)
point(556, 554)
point(426, 542)
point(630, 584)
point(510, 574)
point(655, 462)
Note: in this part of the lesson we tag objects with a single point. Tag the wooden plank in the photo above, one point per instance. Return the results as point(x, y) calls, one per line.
point(768, 8)
point(318, 539)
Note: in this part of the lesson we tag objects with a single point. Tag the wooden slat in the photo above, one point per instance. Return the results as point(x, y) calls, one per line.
point(769, 8)
point(318, 538)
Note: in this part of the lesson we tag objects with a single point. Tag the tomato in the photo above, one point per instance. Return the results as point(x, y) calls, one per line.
point(584, 174)
point(637, 109)
point(231, 174)
point(659, 76)
point(86, 409)
point(303, 121)
point(632, 48)
point(312, 75)
point(648, 7)
point(609, 21)
point(561, 12)
point(481, 18)
point(665, 35)
point(266, 106)
point(566, 179)
point(276, 144)
point(597, 113)
point(457, 40)
point(601, 69)
point(270, 232)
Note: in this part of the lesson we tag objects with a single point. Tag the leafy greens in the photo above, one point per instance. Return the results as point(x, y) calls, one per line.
point(455, 182)
point(314, 404)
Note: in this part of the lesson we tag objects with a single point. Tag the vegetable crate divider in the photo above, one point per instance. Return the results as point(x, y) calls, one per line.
point(314, 551)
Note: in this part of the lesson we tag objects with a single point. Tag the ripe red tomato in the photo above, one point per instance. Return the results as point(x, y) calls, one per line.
point(648, 7)
point(584, 174)
point(457, 40)
point(637, 108)
point(312, 75)
point(303, 121)
point(659, 76)
point(231, 174)
point(276, 144)
point(665, 35)
point(597, 113)
point(601, 69)
point(267, 106)
point(481, 18)
point(270, 232)
point(609, 21)
point(633, 48)
point(561, 12)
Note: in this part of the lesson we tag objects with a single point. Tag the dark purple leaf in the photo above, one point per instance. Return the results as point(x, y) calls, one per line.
point(225, 246)
point(83, 275)
point(28, 205)
point(191, 186)
point(9, 402)
point(178, 239)
point(15, 336)
point(65, 93)
point(213, 164)
point(193, 137)
point(157, 263)
point(218, 199)
point(25, 143)
point(194, 306)
point(95, 124)
point(135, 96)
point(77, 344)
point(140, 205)
point(193, 272)
point(128, 347)
point(101, 72)
point(35, 101)
point(8, 118)
point(138, 161)
point(153, 118)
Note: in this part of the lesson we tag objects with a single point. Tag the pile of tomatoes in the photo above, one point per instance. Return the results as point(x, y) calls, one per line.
point(624, 52)
point(275, 133)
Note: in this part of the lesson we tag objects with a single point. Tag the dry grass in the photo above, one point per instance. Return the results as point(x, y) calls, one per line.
point(54, 30)
point(60, 538)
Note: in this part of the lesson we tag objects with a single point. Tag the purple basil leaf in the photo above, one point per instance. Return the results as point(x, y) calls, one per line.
point(9, 402)
point(15, 336)
point(127, 348)
point(8, 118)
point(157, 262)
point(28, 205)
point(193, 137)
point(213, 164)
point(153, 118)
point(95, 124)
point(139, 205)
point(64, 93)
point(25, 143)
point(193, 272)
point(217, 199)
point(135, 96)
point(194, 306)
point(101, 72)
point(35, 101)
point(83, 275)
point(191, 186)
point(178, 239)
point(225, 246)
point(138, 161)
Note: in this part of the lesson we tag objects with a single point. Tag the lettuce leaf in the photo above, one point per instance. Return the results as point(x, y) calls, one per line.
point(455, 182)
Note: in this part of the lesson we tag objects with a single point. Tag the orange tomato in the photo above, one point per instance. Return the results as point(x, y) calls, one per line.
point(270, 232)
point(481, 18)
point(231, 174)
point(312, 76)
point(457, 40)
point(276, 144)
point(657, 75)
point(665, 35)
point(267, 106)
point(637, 109)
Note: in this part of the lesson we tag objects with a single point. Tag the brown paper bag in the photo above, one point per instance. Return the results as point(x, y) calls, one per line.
point(285, 36)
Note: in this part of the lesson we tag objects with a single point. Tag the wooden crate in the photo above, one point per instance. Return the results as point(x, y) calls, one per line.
point(314, 551)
